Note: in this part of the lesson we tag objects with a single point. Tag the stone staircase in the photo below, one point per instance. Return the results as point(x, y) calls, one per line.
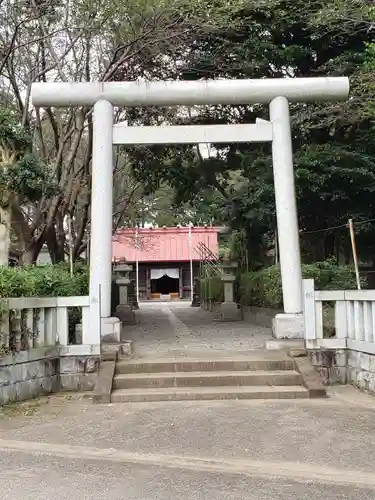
point(262, 374)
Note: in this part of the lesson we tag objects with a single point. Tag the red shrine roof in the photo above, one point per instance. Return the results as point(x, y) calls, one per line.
point(168, 244)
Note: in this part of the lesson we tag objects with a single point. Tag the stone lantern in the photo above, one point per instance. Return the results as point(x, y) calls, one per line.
point(229, 310)
point(124, 310)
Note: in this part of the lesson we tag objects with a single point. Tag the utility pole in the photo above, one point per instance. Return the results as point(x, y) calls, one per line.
point(137, 263)
point(354, 251)
point(191, 263)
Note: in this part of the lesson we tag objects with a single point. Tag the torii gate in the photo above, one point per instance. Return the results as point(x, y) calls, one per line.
point(275, 92)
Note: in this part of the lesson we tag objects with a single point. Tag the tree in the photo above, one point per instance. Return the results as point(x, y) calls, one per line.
point(81, 41)
point(333, 142)
point(110, 41)
point(23, 178)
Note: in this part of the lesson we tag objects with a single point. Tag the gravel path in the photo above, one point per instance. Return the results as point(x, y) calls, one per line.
point(65, 448)
point(175, 328)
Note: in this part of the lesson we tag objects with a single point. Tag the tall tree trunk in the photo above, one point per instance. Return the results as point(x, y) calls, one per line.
point(5, 226)
point(30, 255)
point(28, 258)
point(55, 245)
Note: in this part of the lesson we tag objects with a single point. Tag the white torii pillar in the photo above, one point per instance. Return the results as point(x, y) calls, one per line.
point(289, 324)
point(275, 92)
point(102, 205)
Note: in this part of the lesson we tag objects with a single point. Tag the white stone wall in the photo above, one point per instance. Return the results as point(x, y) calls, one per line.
point(29, 374)
point(331, 364)
point(345, 367)
point(78, 373)
point(361, 370)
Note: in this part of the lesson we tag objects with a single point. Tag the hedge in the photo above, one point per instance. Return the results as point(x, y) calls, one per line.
point(263, 288)
point(43, 281)
point(212, 289)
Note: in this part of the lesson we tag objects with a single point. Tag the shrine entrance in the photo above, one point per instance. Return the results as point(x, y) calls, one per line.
point(277, 93)
point(165, 284)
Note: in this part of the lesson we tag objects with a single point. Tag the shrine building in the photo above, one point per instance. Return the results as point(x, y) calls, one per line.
point(165, 260)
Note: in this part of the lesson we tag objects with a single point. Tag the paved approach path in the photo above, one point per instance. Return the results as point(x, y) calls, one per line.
point(177, 329)
point(66, 448)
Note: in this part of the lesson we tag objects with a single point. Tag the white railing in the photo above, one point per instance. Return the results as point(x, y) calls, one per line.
point(339, 319)
point(31, 322)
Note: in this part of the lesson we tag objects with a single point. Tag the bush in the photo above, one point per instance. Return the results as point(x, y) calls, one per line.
point(212, 288)
point(263, 288)
point(43, 281)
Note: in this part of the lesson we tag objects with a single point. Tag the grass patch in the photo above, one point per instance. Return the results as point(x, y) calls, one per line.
point(22, 409)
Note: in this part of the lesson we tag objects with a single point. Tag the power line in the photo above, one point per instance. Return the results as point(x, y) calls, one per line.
point(324, 230)
point(337, 227)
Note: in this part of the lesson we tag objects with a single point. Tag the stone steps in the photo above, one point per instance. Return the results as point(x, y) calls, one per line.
point(258, 374)
point(208, 393)
point(261, 360)
point(207, 379)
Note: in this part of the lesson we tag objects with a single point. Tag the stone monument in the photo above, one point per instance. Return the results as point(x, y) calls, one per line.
point(124, 310)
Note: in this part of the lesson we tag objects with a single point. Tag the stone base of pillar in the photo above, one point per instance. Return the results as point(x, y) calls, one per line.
point(196, 301)
point(284, 344)
point(112, 350)
point(111, 330)
point(125, 314)
point(288, 326)
point(228, 311)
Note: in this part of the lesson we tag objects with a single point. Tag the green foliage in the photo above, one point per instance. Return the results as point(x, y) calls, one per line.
point(238, 249)
point(224, 251)
point(44, 281)
point(11, 133)
point(263, 288)
point(212, 288)
point(28, 178)
point(15, 141)
point(333, 142)
point(22, 174)
point(369, 57)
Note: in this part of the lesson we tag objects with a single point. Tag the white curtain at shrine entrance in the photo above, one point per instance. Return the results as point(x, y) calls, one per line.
point(159, 273)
